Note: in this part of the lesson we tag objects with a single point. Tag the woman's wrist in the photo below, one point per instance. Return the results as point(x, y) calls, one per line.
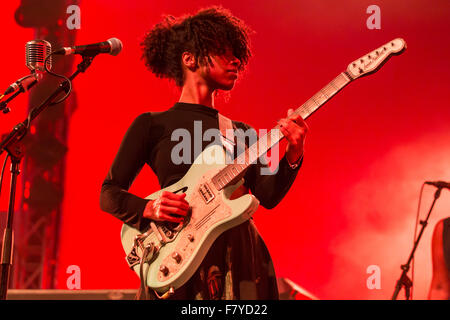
point(296, 163)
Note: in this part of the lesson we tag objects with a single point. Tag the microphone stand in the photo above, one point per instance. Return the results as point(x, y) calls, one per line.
point(10, 145)
point(404, 280)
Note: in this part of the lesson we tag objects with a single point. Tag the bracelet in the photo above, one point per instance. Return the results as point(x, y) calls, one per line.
point(295, 165)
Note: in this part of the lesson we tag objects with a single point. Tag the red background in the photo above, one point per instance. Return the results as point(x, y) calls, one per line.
point(368, 151)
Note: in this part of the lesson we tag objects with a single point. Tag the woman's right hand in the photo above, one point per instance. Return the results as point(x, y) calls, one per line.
point(168, 207)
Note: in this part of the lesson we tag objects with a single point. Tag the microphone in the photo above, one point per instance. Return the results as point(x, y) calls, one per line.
point(112, 46)
point(439, 184)
point(36, 51)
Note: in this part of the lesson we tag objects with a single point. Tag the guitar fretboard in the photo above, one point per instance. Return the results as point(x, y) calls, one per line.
point(251, 154)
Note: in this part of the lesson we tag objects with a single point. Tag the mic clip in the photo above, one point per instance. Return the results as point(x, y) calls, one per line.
point(21, 85)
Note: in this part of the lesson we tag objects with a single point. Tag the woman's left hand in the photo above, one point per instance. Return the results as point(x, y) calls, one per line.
point(294, 128)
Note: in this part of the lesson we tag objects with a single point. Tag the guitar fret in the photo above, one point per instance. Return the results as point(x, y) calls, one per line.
point(321, 97)
point(330, 90)
point(340, 80)
point(305, 112)
point(332, 84)
point(311, 105)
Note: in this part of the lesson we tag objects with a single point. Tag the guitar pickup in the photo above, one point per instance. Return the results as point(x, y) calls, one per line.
point(206, 192)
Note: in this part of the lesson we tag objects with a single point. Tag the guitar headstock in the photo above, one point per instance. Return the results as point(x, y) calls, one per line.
point(372, 61)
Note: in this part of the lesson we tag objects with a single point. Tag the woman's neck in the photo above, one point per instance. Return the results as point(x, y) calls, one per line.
point(199, 93)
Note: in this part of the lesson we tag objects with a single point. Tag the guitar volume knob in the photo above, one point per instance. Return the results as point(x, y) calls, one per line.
point(164, 270)
point(176, 256)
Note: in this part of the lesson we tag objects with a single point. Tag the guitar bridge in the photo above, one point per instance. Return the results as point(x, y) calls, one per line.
point(135, 256)
point(206, 192)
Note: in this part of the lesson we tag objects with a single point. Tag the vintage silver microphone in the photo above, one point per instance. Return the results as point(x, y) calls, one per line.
point(36, 51)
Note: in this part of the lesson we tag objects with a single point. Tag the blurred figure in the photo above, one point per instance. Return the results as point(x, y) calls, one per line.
point(440, 250)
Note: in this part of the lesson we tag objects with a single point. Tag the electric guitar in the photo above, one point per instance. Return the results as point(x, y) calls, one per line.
point(167, 255)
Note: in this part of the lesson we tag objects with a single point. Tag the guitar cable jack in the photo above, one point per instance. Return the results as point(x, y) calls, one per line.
point(166, 295)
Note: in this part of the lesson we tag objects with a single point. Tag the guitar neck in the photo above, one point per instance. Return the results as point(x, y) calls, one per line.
point(228, 174)
point(325, 94)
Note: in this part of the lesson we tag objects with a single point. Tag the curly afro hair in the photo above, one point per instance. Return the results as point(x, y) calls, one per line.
point(209, 32)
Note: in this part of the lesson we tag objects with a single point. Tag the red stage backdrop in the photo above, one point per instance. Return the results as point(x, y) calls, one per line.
point(353, 205)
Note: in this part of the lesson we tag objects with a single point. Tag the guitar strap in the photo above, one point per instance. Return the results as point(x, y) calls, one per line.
point(229, 141)
point(227, 133)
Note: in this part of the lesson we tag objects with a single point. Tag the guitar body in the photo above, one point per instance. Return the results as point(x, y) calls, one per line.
point(213, 212)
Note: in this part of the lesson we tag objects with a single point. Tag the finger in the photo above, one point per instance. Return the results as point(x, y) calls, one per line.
point(283, 122)
point(290, 112)
point(173, 196)
point(287, 135)
point(173, 210)
point(298, 120)
point(294, 126)
point(290, 125)
point(296, 117)
point(294, 135)
point(167, 217)
point(175, 203)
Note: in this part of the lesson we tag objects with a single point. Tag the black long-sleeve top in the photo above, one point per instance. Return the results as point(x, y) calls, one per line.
point(148, 141)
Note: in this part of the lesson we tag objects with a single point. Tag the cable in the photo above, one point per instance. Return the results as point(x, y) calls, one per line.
point(67, 80)
point(415, 235)
point(1, 174)
point(59, 76)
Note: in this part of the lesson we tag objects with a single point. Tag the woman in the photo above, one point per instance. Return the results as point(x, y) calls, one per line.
point(203, 54)
point(440, 251)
